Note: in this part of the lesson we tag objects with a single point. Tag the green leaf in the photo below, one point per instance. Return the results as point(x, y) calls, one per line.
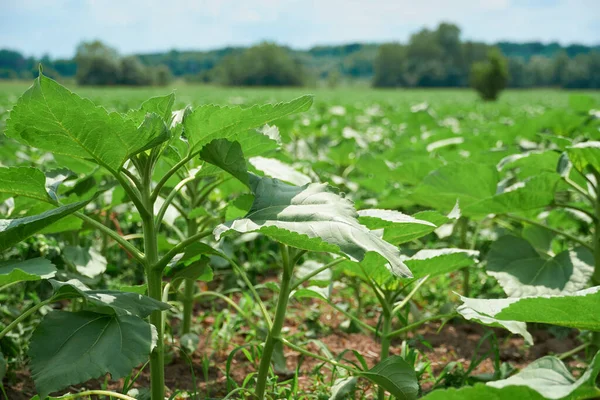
point(160, 105)
point(228, 156)
point(50, 117)
point(521, 271)
point(209, 122)
point(343, 388)
point(551, 378)
point(107, 301)
point(397, 227)
point(34, 269)
point(434, 262)
point(279, 170)
point(484, 312)
point(12, 231)
point(533, 193)
point(87, 261)
point(154, 130)
point(24, 181)
point(396, 376)
point(196, 270)
point(466, 182)
point(239, 207)
point(481, 391)
point(579, 310)
point(585, 154)
point(71, 348)
point(312, 217)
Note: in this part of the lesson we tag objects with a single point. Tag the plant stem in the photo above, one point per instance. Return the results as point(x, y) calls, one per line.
point(385, 346)
point(189, 287)
point(274, 335)
point(23, 316)
point(463, 226)
point(94, 393)
point(319, 357)
point(596, 243)
point(128, 247)
point(558, 232)
point(163, 209)
point(154, 282)
point(232, 303)
point(316, 272)
point(162, 263)
point(573, 351)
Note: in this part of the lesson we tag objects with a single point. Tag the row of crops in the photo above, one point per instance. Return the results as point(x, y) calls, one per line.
point(121, 229)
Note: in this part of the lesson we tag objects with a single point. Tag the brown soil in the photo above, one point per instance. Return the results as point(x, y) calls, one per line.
point(456, 341)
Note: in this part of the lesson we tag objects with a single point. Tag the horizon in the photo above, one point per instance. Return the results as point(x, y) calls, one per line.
point(204, 26)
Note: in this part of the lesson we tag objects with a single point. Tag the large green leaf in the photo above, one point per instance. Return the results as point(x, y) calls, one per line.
point(12, 231)
point(481, 391)
point(521, 271)
point(71, 348)
point(397, 227)
point(550, 377)
point(396, 376)
point(535, 192)
point(209, 122)
point(107, 301)
point(434, 262)
point(585, 154)
point(468, 182)
point(228, 156)
point(312, 217)
point(579, 310)
point(484, 312)
point(24, 181)
point(279, 170)
point(86, 260)
point(50, 117)
point(34, 269)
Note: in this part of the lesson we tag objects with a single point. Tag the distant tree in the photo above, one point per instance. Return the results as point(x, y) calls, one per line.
point(97, 64)
point(489, 78)
point(162, 75)
point(560, 64)
point(517, 73)
point(266, 64)
point(134, 73)
point(389, 66)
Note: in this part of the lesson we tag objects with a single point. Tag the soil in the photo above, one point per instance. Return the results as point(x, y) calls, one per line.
point(456, 341)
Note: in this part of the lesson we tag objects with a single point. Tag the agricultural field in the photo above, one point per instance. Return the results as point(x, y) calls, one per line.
point(224, 243)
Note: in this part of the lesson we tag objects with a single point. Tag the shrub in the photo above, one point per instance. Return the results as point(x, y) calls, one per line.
point(490, 77)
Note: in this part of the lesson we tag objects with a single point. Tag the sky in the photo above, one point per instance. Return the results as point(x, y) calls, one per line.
point(55, 27)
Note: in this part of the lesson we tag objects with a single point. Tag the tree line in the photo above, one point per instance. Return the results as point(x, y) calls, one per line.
point(431, 58)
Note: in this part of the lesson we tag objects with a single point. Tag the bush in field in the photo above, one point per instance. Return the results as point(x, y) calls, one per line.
point(264, 65)
point(162, 75)
point(389, 65)
point(134, 73)
point(490, 77)
point(97, 64)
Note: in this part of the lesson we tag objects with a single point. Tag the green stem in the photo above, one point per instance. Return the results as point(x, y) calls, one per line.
point(162, 263)
point(558, 232)
point(573, 351)
point(579, 189)
point(409, 296)
point(23, 316)
point(352, 317)
point(274, 335)
point(131, 249)
point(189, 287)
point(163, 209)
point(385, 346)
point(463, 226)
point(231, 303)
point(168, 175)
point(316, 272)
point(94, 393)
point(154, 281)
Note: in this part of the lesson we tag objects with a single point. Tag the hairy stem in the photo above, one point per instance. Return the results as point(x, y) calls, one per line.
point(23, 317)
point(558, 232)
point(274, 335)
point(189, 287)
point(385, 345)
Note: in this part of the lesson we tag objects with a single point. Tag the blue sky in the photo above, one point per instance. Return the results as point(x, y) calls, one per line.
point(55, 27)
